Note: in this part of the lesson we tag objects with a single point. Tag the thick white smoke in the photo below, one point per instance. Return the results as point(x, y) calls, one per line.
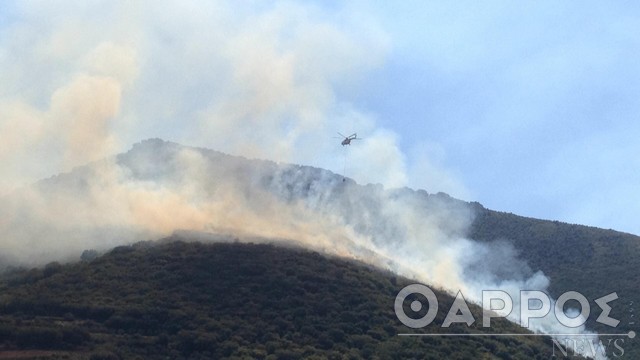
point(81, 80)
point(160, 187)
point(270, 81)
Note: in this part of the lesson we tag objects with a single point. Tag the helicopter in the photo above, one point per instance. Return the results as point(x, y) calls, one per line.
point(347, 139)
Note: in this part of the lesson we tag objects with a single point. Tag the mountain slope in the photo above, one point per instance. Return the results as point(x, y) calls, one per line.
point(229, 300)
point(592, 261)
point(158, 187)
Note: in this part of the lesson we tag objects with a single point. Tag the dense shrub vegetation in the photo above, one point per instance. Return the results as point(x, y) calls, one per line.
point(190, 300)
point(592, 261)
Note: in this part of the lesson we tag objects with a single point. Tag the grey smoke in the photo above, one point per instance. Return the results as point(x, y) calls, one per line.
point(160, 187)
point(499, 260)
point(82, 80)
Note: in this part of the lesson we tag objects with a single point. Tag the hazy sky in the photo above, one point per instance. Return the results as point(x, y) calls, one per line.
point(533, 105)
point(527, 107)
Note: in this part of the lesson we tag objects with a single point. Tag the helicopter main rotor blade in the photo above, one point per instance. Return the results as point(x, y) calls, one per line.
point(342, 135)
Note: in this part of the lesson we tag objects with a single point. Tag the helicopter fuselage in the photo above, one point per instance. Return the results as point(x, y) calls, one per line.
point(347, 139)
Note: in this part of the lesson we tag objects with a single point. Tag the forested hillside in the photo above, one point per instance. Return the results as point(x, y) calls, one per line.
point(592, 261)
point(201, 301)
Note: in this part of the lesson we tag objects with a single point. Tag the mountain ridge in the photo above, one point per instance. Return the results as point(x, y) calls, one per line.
point(137, 190)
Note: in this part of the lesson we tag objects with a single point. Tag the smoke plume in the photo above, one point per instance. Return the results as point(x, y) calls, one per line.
point(82, 81)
